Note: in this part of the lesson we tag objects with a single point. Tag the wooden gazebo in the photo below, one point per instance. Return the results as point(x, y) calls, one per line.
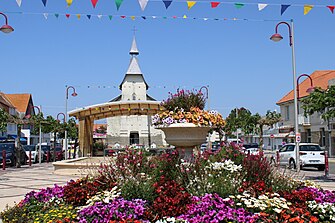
point(87, 115)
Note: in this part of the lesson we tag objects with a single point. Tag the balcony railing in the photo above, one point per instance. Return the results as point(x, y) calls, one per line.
point(302, 120)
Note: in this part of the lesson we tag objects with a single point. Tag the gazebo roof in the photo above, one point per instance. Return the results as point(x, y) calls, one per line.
point(119, 108)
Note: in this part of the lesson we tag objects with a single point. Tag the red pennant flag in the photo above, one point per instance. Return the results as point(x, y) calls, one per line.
point(67, 15)
point(331, 8)
point(215, 4)
point(123, 16)
point(94, 3)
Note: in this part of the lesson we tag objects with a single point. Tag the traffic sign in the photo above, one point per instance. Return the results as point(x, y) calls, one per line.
point(298, 137)
point(272, 136)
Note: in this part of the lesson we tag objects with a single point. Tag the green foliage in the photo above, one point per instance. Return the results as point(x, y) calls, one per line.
point(240, 119)
point(185, 100)
point(144, 189)
point(321, 101)
point(3, 120)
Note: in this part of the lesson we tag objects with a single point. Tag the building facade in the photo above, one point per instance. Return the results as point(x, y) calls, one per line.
point(133, 129)
point(312, 128)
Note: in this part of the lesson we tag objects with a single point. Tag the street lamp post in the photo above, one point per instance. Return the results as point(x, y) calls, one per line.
point(309, 90)
point(277, 37)
point(6, 28)
point(40, 138)
point(74, 94)
point(207, 94)
point(55, 133)
point(207, 98)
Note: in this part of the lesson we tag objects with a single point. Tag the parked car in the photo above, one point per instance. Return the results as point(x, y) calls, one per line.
point(59, 153)
point(34, 152)
point(311, 155)
point(10, 154)
point(46, 149)
point(251, 148)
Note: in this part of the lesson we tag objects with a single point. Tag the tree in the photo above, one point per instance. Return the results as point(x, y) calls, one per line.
point(271, 118)
point(102, 129)
point(240, 119)
point(321, 101)
point(3, 120)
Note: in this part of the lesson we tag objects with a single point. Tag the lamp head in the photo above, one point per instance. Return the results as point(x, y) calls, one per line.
point(6, 29)
point(74, 94)
point(310, 90)
point(276, 37)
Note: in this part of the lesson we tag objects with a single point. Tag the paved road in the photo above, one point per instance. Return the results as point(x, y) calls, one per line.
point(16, 182)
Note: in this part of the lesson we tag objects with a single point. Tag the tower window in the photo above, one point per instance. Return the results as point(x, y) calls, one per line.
point(134, 96)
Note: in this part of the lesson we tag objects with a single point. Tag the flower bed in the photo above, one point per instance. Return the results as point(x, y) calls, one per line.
point(225, 186)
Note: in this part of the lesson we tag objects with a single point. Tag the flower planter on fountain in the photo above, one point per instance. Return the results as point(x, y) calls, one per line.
point(185, 136)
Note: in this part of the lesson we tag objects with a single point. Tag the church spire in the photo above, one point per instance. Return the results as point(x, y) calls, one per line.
point(134, 50)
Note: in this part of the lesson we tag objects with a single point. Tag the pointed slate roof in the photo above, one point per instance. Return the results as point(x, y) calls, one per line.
point(133, 49)
point(134, 68)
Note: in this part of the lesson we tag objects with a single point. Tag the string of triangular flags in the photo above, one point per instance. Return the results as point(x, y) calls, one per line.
point(213, 4)
point(46, 15)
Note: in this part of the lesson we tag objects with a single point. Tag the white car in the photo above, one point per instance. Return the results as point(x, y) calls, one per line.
point(311, 155)
point(34, 152)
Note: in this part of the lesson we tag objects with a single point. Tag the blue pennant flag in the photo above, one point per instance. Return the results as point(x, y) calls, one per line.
point(167, 3)
point(88, 16)
point(283, 8)
point(44, 3)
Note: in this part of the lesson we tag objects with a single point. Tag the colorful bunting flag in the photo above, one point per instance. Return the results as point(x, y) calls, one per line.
point(307, 8)
point(19, 2)
point(118, 3)
point(132, 17)
point(331, 8)
point(88, 16)
point(123, 16)
point(261, 6)
point(57, 15)
point(99, 16)
point(110, 17)
point(69, 3)
point(44, 3)
point(67, 15)
point(143, 17)
point(239, 5)
point(184, 17)
point(283, 9)
point(143, 4)
point(78, 16)
point(154, 17)
point(190, 4)
point(215, 4)
point(167, 3)
point(94, 3)
point(45, 15)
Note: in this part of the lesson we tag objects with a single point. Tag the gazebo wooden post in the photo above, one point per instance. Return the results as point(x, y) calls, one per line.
point(86, 135)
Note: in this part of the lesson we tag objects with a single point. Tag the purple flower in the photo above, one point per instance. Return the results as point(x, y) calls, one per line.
point(212, 208)
point(117, 209)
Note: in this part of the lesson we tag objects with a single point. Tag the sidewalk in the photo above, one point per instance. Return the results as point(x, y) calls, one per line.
point(15, 183)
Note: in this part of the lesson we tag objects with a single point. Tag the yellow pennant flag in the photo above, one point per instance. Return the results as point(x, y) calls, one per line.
point(69, 2)
point(132, 17)
point(307, 8)
point(190, 4)
point(184, 17)
point(78, 16)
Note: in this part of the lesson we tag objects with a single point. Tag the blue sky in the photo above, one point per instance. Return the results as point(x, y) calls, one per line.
point(235, 58)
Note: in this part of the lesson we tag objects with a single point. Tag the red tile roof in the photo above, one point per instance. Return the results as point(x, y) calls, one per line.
point(20, 101)
point(4, 100)
point(320, 79)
